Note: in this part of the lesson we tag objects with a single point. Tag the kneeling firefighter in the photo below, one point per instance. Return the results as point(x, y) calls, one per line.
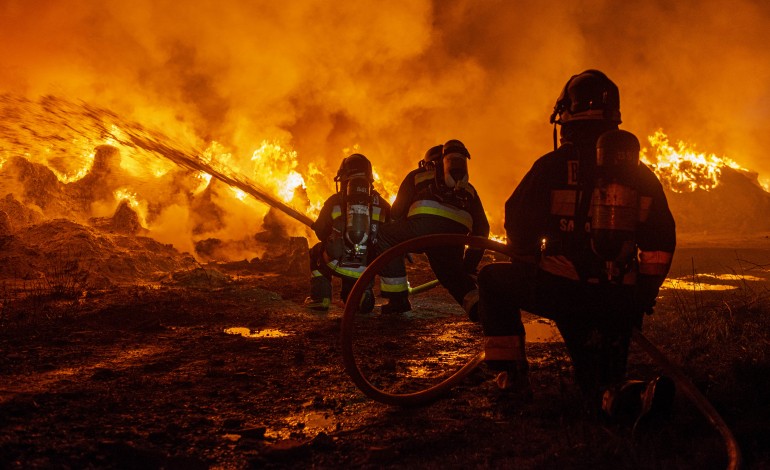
point(348, 227)
point(436, 198)
point(597, 228)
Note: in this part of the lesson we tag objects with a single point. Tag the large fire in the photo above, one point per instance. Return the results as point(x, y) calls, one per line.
point(183, 194)
point(682, 168)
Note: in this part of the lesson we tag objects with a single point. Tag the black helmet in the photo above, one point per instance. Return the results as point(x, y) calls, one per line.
point(590, 95)
point(354, 165)
point(455, 146)
point(433, 153)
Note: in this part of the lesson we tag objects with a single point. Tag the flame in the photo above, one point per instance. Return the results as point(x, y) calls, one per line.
point(682, 169)
point(88, 160)
point(240, 195)
point(204, 179)
point(129, 196)
point(387, 189)
point(275, 167)
point(124, 194)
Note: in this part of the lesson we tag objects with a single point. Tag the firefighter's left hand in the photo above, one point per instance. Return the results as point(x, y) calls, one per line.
point(646, 295)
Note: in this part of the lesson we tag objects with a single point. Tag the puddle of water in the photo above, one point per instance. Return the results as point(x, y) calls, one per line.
point(310, 423)
point(248, 333)
point(706, 281)
point(541, 331)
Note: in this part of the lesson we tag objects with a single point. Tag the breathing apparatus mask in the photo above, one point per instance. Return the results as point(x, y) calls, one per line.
point(355, 178)
point(615, 202)
point(452, 174)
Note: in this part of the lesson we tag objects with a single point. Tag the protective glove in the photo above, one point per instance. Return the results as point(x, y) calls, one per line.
point(647, 288)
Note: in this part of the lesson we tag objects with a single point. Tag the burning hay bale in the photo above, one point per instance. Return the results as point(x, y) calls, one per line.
point(18, 214)
point(737, 205)
point(5, 225)
point(106, 259)
point(101, 180)
point(125, 220)
point(38, 186)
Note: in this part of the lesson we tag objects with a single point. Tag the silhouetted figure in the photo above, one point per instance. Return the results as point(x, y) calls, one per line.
point(600, 237)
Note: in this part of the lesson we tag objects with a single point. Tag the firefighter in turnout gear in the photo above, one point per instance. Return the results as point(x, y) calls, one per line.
point(436, 198)
point(348, 227)
point(596, 225)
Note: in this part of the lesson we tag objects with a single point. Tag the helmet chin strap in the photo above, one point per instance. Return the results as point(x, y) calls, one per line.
point(554, 136)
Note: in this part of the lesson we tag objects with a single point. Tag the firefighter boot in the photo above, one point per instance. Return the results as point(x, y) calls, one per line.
point(367, 302)
point(398, 304)
point(507, 356)
point(623, 402)
point(657, 399)
point(320, 294)
point(514, 381)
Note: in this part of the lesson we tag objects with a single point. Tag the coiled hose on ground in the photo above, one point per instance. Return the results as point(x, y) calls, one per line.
point(418, 244)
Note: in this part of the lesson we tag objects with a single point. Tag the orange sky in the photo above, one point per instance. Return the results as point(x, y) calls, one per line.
point(395, 78)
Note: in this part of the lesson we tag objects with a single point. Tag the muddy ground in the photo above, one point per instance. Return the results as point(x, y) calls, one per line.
point(230, 371)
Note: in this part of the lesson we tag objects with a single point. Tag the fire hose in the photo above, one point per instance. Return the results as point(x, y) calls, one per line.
point(429, 394)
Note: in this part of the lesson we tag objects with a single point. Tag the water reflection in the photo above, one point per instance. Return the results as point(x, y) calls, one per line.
point(710, 282)
point(541, 331)
point(248, 333)
point(309, 423)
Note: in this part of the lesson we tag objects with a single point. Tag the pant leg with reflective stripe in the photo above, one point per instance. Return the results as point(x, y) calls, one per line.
point(393, 281)
point(504, 349)
point(320, 276)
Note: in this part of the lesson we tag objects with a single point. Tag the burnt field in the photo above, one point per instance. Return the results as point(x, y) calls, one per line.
point(220, 366)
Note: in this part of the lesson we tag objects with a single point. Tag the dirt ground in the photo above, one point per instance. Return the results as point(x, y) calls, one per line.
point(230, 371)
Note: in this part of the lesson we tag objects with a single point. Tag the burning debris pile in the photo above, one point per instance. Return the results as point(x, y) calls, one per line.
point(709, 195)
point(74, 198)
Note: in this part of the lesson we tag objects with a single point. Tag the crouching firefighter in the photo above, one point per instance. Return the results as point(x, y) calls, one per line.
point(348, 227)
point(436, 198)
point(595, 238)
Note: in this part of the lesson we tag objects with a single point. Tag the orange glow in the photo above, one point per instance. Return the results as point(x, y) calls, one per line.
point(86, 159)
point(386, 188)
point(683, 169)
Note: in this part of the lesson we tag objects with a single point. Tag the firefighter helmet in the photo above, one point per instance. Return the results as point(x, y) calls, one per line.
point(431, 155)
point(354, 165)
point(589, 95)
point(455, 146)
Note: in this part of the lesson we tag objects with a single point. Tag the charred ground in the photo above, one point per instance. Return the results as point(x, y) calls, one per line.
point(148, 376)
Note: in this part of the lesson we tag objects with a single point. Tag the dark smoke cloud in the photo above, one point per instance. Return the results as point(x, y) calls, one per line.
point(395, 78)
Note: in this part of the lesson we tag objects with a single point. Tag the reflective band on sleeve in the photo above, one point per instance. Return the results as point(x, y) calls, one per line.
point(346, 271)
point(645, 202)
point(376, 213)
point(424, 176)
point(394, 284)
point(655, 262)
point(504, 348)
point(315, 273)
point(563, 202)
point(428, 207)
point(336, 212)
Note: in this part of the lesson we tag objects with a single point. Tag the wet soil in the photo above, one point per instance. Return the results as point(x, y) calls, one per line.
point(238, 374)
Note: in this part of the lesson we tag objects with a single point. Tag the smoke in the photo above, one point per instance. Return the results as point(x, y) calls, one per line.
point(392, 79)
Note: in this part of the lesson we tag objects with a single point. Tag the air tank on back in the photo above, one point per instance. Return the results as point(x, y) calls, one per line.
point(615, 200)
